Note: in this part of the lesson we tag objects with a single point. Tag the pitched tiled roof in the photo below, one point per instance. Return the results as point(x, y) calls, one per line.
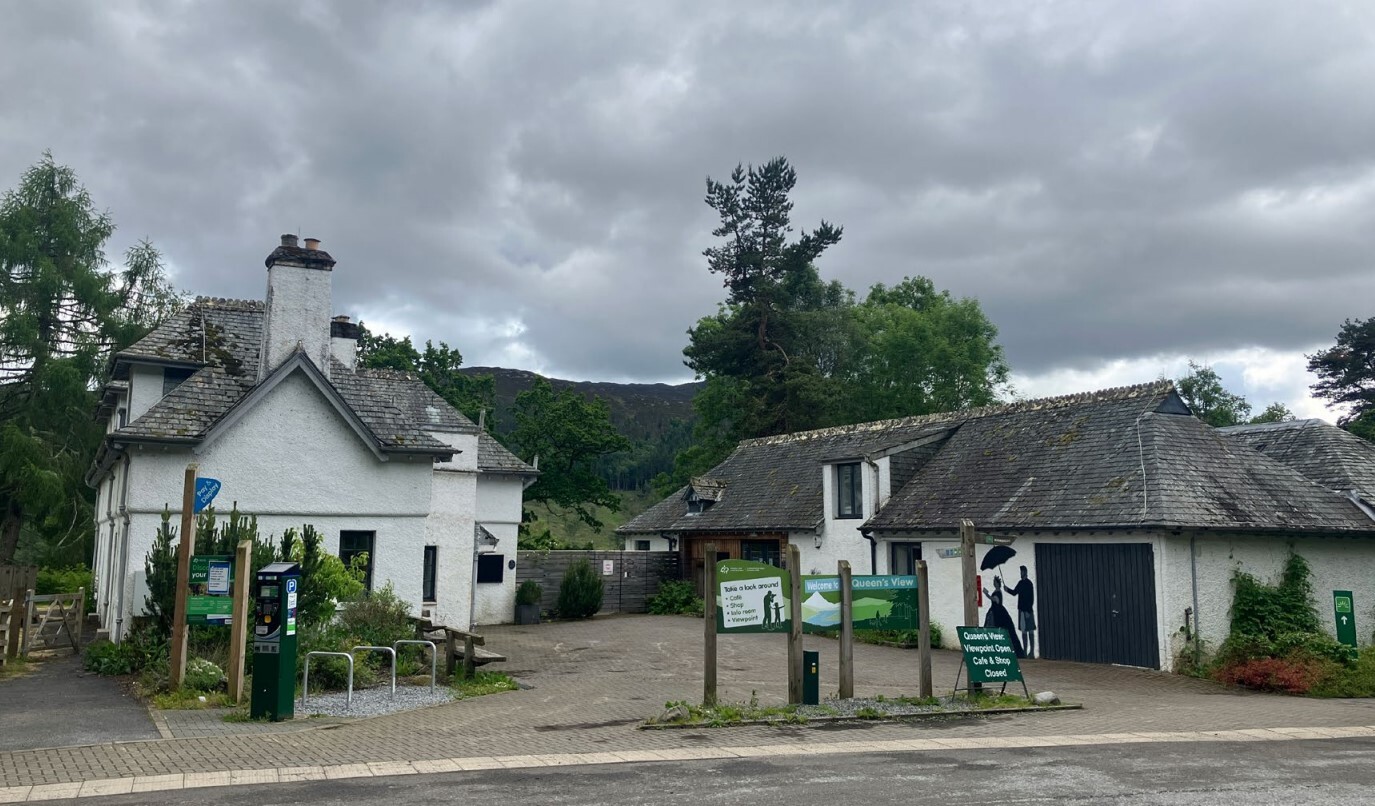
point(1120, 458)
point(224, 337)
point(493, 457)
point(1109, 461)
point(774, 483)
point(1330, 456)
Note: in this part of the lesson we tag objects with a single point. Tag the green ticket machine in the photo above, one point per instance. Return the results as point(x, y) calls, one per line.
point(274, 642)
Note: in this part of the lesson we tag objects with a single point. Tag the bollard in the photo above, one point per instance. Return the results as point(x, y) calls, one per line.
point(811, 678)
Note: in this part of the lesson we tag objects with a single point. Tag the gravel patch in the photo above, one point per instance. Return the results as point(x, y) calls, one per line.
point(375, 701)
point(852, 707)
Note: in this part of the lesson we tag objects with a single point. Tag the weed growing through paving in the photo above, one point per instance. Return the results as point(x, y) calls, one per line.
point(16, 667)
point(186, 699)
point(482, 683)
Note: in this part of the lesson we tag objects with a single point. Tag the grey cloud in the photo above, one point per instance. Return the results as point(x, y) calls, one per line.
point(1111, 180)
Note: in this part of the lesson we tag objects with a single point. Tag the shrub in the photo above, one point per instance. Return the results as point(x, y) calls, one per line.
point(1297, 674)
point(580, 593)
point(202, 675)
point(1355, 680)
point(378, 619)
point(160, 570)
point(529, 593)
point(63, 580)
point(325, 580)
point(107, 658)
point(677, 597)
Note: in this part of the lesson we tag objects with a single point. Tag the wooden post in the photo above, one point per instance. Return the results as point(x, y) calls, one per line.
point(450, 649)
point(795, 622)
point(17, 612)
point(188, 545)
point(923, 630)
point(847, 632)
point(709, 626)
point(80, 615)
point(238, 625)
point(28, 621)
point(469, 662)
point(970, 572)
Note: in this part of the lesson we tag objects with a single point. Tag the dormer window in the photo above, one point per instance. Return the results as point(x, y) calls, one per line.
point(172, 377)
point(702, 493)
point(849, 498)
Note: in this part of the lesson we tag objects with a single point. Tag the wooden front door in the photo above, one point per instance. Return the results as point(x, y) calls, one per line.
point(769, 548)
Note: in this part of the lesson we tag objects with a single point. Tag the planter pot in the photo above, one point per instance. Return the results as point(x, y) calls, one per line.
point(527, 614)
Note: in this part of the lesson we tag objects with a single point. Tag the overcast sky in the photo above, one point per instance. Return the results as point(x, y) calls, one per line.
point(1122, 185)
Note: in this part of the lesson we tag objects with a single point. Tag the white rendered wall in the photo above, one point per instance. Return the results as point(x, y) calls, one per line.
point(298, 311)
point(656, 543)
point(145, 389)
point(292, 460)
point(449, 527)
point(947, 587)
point(499, 501)
point(840, 537)
point(1337, 563)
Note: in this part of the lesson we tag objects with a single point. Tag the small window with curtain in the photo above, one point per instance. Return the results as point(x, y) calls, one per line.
point(427, 582)
point(849, 499)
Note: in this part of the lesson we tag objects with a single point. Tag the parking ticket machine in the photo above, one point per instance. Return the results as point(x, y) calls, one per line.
point(274, 642)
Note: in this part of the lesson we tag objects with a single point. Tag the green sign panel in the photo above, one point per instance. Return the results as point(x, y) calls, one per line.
point(1344, 611)
point(209, 609)
point(215, 572)
point(751, 597)
point(878, 603)
point(988, 655)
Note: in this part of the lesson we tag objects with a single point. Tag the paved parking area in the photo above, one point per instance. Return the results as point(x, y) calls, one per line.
point(590, 682)
point(58, 703)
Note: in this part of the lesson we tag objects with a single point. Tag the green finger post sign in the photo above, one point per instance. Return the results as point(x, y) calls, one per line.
point(1344, 613)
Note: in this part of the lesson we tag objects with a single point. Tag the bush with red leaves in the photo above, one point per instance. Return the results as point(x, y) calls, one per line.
point(1292, 675)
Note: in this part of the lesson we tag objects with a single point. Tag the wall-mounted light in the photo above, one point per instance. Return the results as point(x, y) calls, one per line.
point(818, 541)
point(487, 544)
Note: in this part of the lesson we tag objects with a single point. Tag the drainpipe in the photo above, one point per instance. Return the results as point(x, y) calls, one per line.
point(1193, 578)
point(124, 551)
point(873, 552)
point(873, 543)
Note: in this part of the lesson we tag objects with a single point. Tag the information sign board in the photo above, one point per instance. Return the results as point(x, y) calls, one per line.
point(751, 597)
point(877, 603)
point(988, 655)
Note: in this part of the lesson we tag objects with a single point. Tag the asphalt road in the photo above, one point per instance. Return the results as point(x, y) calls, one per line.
point(1252, 773)
point(59, 703)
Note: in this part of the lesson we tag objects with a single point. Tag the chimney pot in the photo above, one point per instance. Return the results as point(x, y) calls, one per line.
point(312, 243)
point(342, 318)
point(288, 239)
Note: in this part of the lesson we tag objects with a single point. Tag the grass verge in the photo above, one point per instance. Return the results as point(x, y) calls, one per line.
point(482, 683)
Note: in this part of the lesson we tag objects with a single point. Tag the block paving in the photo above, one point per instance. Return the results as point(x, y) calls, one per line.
point(590, 683)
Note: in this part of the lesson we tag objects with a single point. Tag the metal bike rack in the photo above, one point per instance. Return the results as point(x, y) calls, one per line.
point(389, 650)
point(305, 678)
point(434, 656)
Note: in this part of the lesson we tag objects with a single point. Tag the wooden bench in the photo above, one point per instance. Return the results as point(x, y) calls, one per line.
point(459, 645)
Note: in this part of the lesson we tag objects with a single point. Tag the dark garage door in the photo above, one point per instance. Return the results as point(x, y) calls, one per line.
point(1096, 603)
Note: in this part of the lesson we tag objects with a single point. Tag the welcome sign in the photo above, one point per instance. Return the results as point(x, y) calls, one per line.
point(877, 603)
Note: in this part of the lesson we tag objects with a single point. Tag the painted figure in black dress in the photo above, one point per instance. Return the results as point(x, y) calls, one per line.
point(1000, 618)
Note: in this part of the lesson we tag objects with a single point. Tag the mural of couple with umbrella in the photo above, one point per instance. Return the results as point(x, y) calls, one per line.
point(1025, 592)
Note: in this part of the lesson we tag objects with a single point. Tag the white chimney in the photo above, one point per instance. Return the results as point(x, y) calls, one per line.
point(343, 340)
point(299, 304)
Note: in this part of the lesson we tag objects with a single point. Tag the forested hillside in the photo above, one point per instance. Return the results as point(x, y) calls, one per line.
point(657, 418)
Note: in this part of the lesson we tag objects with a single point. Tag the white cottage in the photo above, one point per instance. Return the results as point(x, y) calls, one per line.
point(267, 398)
point(1127, 515)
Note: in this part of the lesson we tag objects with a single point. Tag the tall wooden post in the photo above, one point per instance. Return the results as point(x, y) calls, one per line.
point(795, 621)
point(923, 630)
point(238, 626)
point(709, 626)
point(970, 572)
point(847, 632)
point(188, 545)
point(18, 611)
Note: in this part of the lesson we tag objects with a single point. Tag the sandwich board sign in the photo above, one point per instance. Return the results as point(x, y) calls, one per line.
point(988, 656)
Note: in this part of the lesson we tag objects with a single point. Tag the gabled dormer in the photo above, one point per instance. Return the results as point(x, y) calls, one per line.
point(703, 493)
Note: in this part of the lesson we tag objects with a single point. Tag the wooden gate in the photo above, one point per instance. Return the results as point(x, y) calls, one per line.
point(1096, 603)
point(54, 620)
point(15, 583)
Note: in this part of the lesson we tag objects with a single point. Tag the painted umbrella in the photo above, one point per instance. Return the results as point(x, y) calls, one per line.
point(996, 556)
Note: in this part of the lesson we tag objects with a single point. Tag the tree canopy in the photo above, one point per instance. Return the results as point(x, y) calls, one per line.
point(789, 351)
point(568, 433)
point(1212, 403)
point(63, 311)
point(1346, 376)
point(436, 366)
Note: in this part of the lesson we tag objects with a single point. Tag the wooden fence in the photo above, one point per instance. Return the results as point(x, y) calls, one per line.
point(629, 578)
point(15, 583)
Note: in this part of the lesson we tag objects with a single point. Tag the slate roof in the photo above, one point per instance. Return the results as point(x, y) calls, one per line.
point(1115, 459)
point(1129, 457)
point(1329, 456)
point(492, 457)
point(222, 338)
point(774, 483)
